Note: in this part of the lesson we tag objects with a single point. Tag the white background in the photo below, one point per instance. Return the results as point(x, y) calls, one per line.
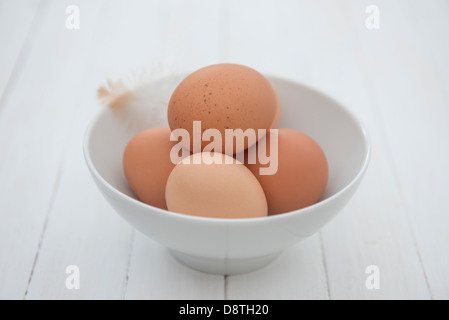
point(396, 80)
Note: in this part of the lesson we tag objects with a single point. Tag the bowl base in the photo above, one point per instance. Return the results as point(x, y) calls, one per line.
point(223, 266)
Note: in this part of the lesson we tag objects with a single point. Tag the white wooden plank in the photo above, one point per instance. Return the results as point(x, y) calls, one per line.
point(296, 274)
point(34, 128)
point(155, 274)
point(87, 232)
point(16, 18)
point(374, 228)
point(412, 94)
point(273, 37)
point(319, 48)
point(82, 229)
point(369, 232)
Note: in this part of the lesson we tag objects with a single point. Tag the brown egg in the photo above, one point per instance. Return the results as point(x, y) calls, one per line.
point(223, 96)
point(301, 176)
point(277, 114)
point(225, 190)
point(147, 165)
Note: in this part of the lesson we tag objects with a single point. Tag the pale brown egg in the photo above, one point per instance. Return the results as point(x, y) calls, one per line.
point(147, 165)
point(224, 96)
point(223, 190)
point(301, 176)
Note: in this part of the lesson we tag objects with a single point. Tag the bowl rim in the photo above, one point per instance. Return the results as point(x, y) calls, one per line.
point(267, 219)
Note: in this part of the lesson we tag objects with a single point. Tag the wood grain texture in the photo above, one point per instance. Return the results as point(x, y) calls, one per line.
point(155, 274)
point(34, 128)
point(422, 166)
point(299, 273)
point(412, 98)
point(370, 231)
point(16, 20)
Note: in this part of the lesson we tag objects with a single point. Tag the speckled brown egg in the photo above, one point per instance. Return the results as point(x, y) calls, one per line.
point(277, 114)
point(224, 96)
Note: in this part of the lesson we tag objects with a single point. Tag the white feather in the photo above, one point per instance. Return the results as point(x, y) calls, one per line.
point(136, 100)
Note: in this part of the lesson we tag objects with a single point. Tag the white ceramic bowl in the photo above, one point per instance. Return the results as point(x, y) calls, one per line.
point(231, 246)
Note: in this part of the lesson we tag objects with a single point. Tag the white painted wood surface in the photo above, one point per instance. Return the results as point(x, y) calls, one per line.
point(16, 23)
point(396, 80)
